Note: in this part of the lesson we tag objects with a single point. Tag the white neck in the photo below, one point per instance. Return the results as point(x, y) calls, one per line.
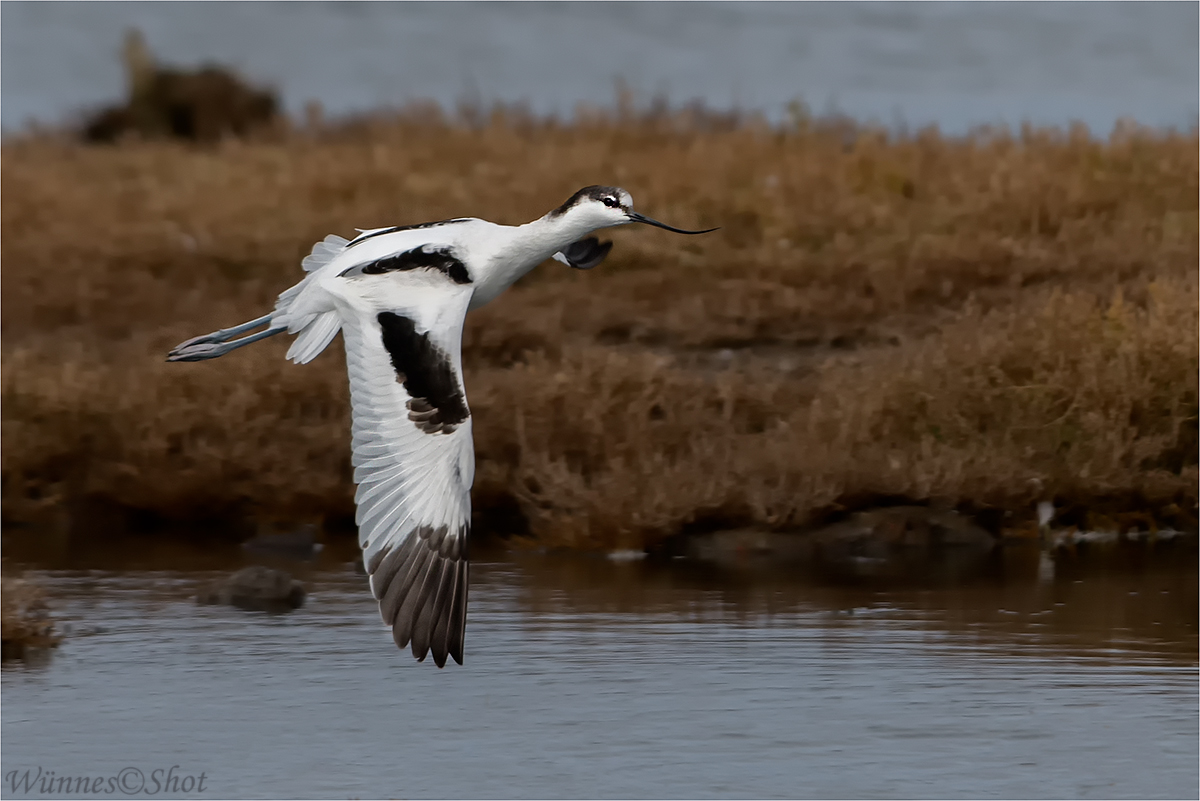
point(521, 248)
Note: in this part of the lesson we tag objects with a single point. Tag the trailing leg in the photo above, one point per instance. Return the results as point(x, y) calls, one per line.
point(218, 343)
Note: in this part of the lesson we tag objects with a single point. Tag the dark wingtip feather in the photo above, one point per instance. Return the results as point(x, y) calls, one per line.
point(457, 623)
point(441, 614)
point(416, 613)
point(422, 591)
point(426, 613)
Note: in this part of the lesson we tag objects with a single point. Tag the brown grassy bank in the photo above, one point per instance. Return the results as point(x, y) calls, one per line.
point(932, 319)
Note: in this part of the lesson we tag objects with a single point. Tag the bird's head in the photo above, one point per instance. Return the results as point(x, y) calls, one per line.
point(596, 207)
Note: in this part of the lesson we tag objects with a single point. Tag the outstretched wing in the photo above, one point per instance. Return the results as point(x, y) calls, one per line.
point(414, 464)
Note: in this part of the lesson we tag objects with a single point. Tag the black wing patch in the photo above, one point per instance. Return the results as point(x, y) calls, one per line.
point(586, 253)
point(437, 403)
point(395, 228)
point(422, 258)
point(422, 590)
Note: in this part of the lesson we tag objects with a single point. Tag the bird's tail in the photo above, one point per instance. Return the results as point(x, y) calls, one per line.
point(314, 323)
point(315, 328)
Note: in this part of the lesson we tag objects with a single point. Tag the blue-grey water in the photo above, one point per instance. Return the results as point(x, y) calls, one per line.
point(950, 63)
point(587, 678)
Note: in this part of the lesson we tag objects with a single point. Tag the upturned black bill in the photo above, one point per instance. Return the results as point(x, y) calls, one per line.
point(641, 218)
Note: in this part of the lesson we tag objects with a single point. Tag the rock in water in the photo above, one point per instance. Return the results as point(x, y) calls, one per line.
point(259, 589)
point(300, 543)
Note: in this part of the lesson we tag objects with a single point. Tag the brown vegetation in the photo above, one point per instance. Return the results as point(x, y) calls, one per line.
point(201, 105)
point(977, 323)
point(24, 619)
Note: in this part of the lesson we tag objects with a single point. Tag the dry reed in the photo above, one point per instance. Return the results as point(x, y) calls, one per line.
point(977, 321)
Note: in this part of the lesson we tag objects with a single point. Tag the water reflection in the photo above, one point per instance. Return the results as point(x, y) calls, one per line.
point(1146, 605)
point(1135, 597)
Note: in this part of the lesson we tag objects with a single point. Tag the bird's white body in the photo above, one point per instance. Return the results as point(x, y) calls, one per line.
point(400, 296)
point(496, 257)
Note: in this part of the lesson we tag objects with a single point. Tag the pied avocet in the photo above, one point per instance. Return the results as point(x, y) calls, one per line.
point(399, 296)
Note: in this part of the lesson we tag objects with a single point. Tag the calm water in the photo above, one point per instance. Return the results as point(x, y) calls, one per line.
point(957, 64)
point(589, 678)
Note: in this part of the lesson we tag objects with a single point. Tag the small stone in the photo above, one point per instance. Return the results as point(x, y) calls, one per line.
point(258, 589)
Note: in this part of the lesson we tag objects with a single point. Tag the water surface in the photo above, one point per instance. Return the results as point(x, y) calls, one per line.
point(589, 678)
point(958, 64)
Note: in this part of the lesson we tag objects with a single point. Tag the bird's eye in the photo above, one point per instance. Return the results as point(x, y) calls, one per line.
point(610, 201)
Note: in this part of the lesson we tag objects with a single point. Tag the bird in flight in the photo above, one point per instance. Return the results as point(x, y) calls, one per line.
point(399, 296)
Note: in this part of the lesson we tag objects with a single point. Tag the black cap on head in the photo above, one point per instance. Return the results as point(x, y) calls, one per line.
point(608, 195)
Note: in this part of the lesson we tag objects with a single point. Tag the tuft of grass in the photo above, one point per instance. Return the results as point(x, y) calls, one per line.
point(980, 321)
point(25, 620)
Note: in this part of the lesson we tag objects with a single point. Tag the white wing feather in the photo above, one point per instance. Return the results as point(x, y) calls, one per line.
point(413, 498)
point(414, 460)
point(314, 337)
point(305, 312)
point(324, 252)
